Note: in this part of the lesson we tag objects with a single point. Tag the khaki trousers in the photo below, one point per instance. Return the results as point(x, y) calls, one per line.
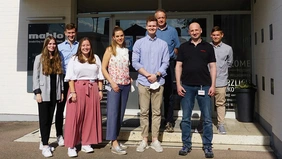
point(220, 93)
point(146, 96)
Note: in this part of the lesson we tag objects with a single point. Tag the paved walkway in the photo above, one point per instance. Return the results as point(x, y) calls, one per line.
point(11, 131)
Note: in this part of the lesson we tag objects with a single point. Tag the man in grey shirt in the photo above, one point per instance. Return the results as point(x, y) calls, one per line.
point(224, 60)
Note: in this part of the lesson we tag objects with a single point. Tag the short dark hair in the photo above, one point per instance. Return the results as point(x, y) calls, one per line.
point(151, 18)
point(70, 26)
point(160, 10)
point(216, 28)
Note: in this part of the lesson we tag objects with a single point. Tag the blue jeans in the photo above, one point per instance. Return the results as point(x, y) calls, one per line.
point(116, 104)
point(187, 103)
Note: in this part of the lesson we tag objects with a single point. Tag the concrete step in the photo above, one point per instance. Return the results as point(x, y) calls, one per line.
point(240, 136)
point(237, 133)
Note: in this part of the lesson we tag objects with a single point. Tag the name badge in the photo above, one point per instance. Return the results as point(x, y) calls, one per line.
point(201, 92)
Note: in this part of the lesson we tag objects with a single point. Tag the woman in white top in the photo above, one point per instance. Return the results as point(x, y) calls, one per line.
point(115, 67)
point(83, 116)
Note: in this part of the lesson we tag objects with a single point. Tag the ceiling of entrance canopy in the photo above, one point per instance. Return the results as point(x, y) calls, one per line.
point(94, 6)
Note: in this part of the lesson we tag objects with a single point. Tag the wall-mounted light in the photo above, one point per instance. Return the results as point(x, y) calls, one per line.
point(45, 18)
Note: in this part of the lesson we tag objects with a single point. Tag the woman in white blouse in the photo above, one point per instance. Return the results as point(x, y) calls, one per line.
point(115, 67)
point(83, 116)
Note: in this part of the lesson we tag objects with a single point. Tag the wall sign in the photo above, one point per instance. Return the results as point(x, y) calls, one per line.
point(36, 36)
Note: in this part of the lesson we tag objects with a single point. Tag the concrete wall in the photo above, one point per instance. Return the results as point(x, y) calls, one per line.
point(14, 34)
point(267, 59)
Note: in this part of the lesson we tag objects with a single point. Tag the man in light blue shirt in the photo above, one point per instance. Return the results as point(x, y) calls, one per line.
point(170, 36)
point(150, 58)
point(224, 60)
point(67, 49)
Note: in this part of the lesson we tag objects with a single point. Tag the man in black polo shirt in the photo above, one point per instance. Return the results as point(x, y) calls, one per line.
point(195, 73)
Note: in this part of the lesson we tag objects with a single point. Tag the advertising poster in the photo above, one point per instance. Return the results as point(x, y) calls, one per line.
point(36, 36)
point(129, 42)
point(240, 71)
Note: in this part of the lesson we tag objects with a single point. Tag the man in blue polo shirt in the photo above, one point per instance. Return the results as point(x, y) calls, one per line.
point(170, 36)
point(67, 49)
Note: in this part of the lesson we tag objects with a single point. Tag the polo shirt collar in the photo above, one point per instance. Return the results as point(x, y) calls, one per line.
point(190, 41)
point(163, 28)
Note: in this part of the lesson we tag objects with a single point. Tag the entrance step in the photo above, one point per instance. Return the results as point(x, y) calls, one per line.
point(238, 133)
point(240, 136)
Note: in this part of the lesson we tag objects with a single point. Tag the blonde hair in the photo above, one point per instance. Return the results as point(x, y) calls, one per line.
point(114, 44)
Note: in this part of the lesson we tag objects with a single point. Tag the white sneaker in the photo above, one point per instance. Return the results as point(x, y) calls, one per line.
point(72, 152)
point(118, 150)
point(156, 145)
point(41, 147)
point(143, 145)
point(87, 148)
point(60, 140)
point(122, 146)
point(46, 152)
point(221, 129)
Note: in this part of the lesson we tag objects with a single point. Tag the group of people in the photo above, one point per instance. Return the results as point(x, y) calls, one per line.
point(71, 74)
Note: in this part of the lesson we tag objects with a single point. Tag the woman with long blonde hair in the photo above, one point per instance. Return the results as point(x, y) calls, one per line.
point(48, 88)
point(115, 67)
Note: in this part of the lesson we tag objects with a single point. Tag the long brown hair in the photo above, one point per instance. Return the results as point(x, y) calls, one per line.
point(91, 59)
point(114, 43)
point(56, 67)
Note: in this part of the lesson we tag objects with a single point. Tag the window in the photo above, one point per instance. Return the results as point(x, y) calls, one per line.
point(256, 40)
point(272, 85)
point(239, 25)
point(262, 36)
point(263, 83)
point(270, 32)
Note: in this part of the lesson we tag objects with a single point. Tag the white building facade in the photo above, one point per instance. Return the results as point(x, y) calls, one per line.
point(261, 17)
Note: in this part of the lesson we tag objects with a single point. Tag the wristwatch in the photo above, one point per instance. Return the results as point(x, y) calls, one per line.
point(157, 75)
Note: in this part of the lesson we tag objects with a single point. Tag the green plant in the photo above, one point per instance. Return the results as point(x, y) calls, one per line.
point(245, 85)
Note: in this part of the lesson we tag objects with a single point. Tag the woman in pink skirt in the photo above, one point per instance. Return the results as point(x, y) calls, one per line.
point(83, 115)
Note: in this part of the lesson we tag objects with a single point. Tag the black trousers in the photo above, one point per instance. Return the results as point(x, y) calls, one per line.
point(168, 93)
point(46, 112)
point(59, 118)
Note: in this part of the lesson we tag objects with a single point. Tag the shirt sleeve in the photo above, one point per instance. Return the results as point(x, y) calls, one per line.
point(70, 75)
point(230, 58)
point(176, 39)
point(165, 61)
point(136, 55)
point(212, 54)
point(36, 75)
point(100, 74)
point(180, 53)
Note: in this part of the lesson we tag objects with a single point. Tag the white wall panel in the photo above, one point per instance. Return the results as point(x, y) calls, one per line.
point(13, 63)
point(268, 61)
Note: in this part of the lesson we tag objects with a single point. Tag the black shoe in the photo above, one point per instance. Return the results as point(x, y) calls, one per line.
point(208, 152)
point(169, 127)
point(184, 151)
point(199, 128)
